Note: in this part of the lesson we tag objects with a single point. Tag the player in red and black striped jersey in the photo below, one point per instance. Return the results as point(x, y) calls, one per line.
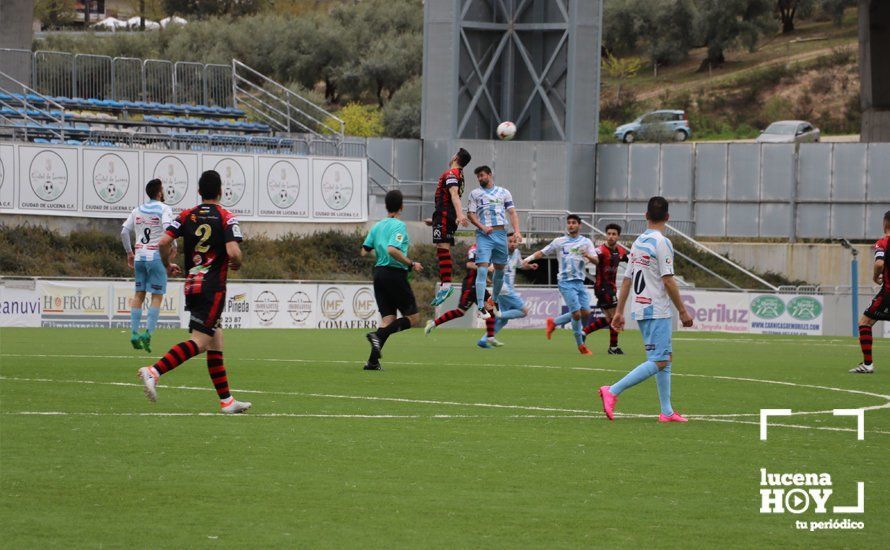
point(211, 235)
point(605, 288)
point(467, 299)
point(879, 310)
point(448, 214)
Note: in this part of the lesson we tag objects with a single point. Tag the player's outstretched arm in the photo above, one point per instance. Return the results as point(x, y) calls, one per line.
point(673, 291)
point(618, 316)
point(514, 223)
point(474, 219)
point(400, 256)
point(458, 207)
point(233, 249)
point(128, 246)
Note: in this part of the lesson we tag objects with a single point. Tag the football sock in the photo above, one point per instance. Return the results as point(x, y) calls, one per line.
point(489, 327)
point(135, 317)
point(178, 354)
point(613, 338)
point(497, 283)
point(576, 328)
point(481, 281)
point(634, 377)
point(563, 319)
point(512, 314)
point(663, 381)
point(598, 323)
point(449, 315)
point(152, 322)
point(443, 255)
point(499, 324)
point(865, 343)
point(218, 374)
point(402, 323)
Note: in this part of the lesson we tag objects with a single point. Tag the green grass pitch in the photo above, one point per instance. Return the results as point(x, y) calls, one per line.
point(449, 446)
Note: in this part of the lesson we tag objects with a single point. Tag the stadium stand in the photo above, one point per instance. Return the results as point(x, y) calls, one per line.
point(79, 99)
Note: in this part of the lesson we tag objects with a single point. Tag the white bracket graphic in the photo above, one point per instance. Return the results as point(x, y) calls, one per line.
point(766, 413)
point(858, 413)
point(860, 422)
point(860, 502)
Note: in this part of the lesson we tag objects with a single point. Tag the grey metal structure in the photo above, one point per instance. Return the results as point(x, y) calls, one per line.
point(16, 34)
point(487, 61)
point(819, 190)
point(874, 69)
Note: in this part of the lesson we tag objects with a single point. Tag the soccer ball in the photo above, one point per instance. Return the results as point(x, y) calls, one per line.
point(506, 130)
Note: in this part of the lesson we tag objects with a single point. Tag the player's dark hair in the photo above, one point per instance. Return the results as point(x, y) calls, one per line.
point(614, 226)
point(463, 157)
point(887, 216)
point(482, 169)
point(511, 233)
point(210, 185)
point(575, 217)
point(153, 187)
point(393, 201)
point(657, 209)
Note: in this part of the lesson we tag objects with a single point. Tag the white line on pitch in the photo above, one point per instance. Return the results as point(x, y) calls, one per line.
point(577, 413)
point(553, 367)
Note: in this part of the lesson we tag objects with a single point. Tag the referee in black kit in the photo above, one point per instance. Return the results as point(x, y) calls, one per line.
point(389, 241)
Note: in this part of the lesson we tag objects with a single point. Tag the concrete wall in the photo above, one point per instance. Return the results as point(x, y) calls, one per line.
point(819, 190)
point(820, 264)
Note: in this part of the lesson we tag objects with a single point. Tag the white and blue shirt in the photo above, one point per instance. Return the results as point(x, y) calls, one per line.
point(651, 258)
point(491, 205)
point(149, 222)
point(571, 253)
point(513, 264)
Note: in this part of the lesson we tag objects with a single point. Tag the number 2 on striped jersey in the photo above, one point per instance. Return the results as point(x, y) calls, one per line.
point(203, 232)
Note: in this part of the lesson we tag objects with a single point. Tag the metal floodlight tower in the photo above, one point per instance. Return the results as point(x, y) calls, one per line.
point(532, 62)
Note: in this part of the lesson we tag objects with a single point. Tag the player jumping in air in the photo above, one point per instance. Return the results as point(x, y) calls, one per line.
point(879, 310)
point(573, 252)
point(510, 304)
point(649, 282)
point(211, 235)
point(610, 254)
point(148, 222)
point(448, 214)
point(389, 241)
point(467, 299)
point(488, 210)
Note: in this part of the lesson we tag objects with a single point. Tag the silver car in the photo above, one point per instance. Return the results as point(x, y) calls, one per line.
point(789, 131)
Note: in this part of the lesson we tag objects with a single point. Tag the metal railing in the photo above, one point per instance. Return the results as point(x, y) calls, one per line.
point(87, 76)
point(281, 108)
point(35, 116)
point(552, 222)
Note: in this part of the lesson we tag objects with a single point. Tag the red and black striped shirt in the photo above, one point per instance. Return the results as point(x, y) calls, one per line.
point(881, 250)
point(607, 269)
point(205, 230)
point(453, 177)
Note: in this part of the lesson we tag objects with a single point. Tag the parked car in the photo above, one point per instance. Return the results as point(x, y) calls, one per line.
point(790, 131)
point(657, 125)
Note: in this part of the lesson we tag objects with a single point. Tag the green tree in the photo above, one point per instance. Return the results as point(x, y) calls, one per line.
point(54, 13)
point(360, 120)
point(835, 9)
point(401, 116)
point(787, 10)
point(723, 24)
point(622, 20)
point(621, 69)
point(209, 8)
point(669, 29)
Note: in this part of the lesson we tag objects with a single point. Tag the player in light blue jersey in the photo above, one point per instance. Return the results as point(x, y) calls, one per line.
point(573, 252)
point(488, 210)
point(649, 283)
point(148, 221)
point(509, 304)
